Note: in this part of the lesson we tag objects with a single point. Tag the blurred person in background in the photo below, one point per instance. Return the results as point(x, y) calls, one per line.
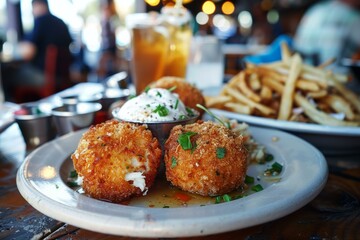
point(329, 29)
point(108, 62)
point(48, 30)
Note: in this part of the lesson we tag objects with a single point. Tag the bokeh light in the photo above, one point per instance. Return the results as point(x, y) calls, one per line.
point(245, 19)
point(208, 7)
point(224, 26)
point(227, 8)
point(272, 16)
point(153, 3)
point(202, 18)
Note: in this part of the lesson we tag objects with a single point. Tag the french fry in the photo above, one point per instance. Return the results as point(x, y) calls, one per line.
point(243, 99)
point(307, 85)
point(239, 108)
point(289, 89)
point(254, 82)
point(348, 95)
point(285, 52)
point(319, 116)
point(320, 80)
point(216, 101)
point(273, 84)
point(266, 93)
point(340, 105)
point(319, 94)
point(246, 90)
point(313, 84)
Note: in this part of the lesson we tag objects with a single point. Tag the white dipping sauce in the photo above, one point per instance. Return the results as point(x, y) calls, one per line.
point(155, 105)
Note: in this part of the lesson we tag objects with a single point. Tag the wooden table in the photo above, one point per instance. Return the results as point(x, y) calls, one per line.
point(333, 214)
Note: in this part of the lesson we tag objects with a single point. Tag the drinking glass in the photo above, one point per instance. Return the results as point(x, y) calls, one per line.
point(206, 64)
point(148, 48)
point(177, 22)
point(160, 45)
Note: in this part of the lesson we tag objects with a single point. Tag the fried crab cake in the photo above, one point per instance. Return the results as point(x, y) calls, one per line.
point(205, 158)
point(188, 93)
point(117, 160)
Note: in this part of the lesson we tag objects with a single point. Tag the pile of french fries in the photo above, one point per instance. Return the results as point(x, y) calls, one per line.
point(290, 90)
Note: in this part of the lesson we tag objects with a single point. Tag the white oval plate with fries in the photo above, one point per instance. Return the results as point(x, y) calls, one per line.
point(311, 101)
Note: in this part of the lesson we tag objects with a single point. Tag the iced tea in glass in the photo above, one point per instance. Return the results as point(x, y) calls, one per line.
point(160, 45)
point(177, 21)
point(149, 49)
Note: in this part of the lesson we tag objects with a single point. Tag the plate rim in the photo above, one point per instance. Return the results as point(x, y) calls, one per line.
point(150, 228)
point(297, 127)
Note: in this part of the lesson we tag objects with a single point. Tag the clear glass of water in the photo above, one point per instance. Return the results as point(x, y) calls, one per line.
point(206, 64)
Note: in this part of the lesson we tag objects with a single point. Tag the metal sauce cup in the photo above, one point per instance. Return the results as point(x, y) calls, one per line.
point(35, 123)
point(70, 118)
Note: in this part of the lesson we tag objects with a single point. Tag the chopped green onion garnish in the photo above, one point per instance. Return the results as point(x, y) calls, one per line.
point(223, 198)
point(220, 152)
point(277, 167)
point(182, 117)
point(73, 174)
point(226, 198)
point(173, 162)
point(176, 104)
point(172, 88)
point(213, 115)
point(158, 94)
point(161, 110)
point(147, 89)
point(257, 188)
point(184, 140)
point(249, 179)
point(190, 112)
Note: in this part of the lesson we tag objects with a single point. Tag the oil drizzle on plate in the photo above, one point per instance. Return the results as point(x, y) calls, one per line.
point(163, 195)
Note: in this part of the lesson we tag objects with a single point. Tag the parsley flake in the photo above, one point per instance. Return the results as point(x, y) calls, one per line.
point(275, 169)
point(220, 152)
point(190, 112)
point(73, 174)
point(161, 110)
point(249, 179)
point(257, 188)
point(182, 117)
point(185, 142)
point(176, 104)
point(173, 162)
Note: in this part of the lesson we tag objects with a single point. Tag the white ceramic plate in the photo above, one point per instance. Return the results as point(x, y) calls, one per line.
point(40, 180)
point(331, 141)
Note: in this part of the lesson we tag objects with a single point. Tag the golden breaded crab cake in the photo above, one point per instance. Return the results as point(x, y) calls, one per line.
point(205, 158)
point(188, 93)
point(117, 160)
